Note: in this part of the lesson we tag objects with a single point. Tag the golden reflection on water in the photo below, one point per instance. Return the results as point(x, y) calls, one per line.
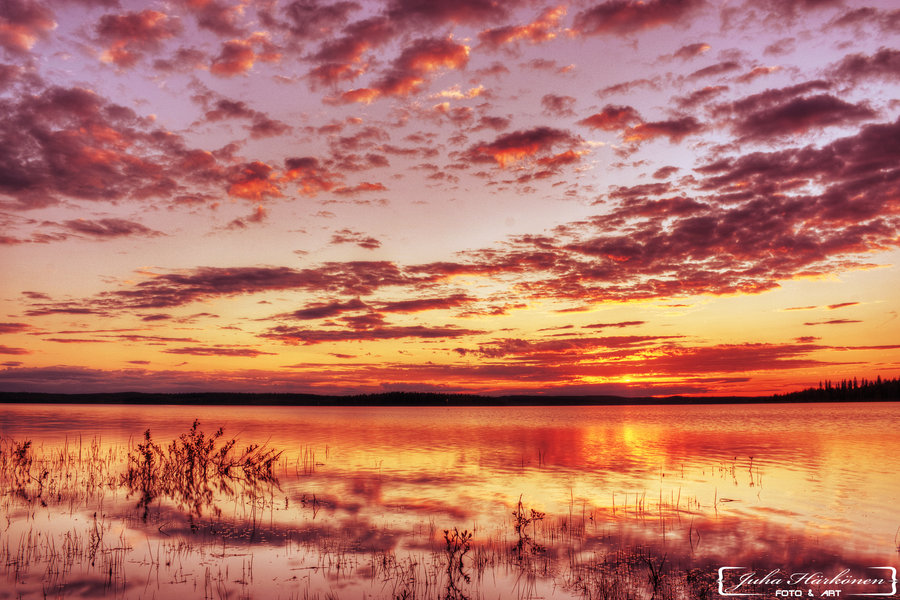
point(706, 486)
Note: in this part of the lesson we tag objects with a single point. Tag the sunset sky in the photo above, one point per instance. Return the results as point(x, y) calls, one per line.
point(615, 197)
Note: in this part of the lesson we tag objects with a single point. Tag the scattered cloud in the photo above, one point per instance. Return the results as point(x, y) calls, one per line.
point(560, 106)
point(423, 304)
point(883, 65)
point(755, 73)
point(309, 19)
point(184, 287)
point(217, 17)
point(108, 228)
point(674, 129)
point(714, 70)
point(618, 324)
point(398, 111)
point(545, 28)
point(359, 188)
point(238, 56)
point(253, 181)
point(624, 17)
point(842, 305)
point(513, 147)
point(14, 351)
point(799, 115)
point(311, 176)
point(128, 37)
point(183, 60)
point(348, 236)
point(436, 12)
point(23, 23)
point(14, 327)
point(223, 109)
point(692, 50)
point(612, 118)
point(218, 351)
point(259, 215)
point(308, 337)
point(834, 322)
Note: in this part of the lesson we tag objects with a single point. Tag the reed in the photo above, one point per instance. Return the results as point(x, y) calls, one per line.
point(526, 543)
point(193, 543)
point(194, 467)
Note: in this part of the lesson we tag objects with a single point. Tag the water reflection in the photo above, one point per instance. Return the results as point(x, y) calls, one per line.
point(461, 503)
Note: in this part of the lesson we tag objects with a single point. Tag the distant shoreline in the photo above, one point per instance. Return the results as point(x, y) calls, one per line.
point(410, 399)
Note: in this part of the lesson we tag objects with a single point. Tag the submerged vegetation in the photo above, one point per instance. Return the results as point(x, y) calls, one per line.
point(206, 516)
point(180, 489)
point(193, 468)
point(526, 543)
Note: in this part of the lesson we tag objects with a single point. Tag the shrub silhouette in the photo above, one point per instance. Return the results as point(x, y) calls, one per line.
point(194, 467)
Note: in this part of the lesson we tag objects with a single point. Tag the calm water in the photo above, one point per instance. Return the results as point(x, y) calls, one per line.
point(364, 495)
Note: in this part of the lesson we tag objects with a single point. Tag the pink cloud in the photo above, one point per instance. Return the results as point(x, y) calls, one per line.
point(612, 118)
point(253, 181)
point(622, 17)
point(218, 351)
point(347, 236)
point(215, 16)
point(512, 147)
point(238, 56)
point(23, 23)
point(13, 351)
point(127, 37)
point(545, 28)
point(471, 12)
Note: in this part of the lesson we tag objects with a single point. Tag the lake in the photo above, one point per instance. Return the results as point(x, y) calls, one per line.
point(449, 502)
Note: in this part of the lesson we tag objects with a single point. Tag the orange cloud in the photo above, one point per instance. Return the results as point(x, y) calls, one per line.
point(236, 57)
point(635, 130)
point(612, 118)
point(512, 147)
point(455, 93)
point(360, 95)
point(365, 186)
point(239, 56)
point(312, 177)
point(564, 158)
point(543, 29)
point(253, 181)
point(411, 70)
point(432, 54)
point(402, 85)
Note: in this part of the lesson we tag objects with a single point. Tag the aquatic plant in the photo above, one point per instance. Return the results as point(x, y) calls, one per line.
point(194, 467)
point(457, 547)
point(311, 542)
point(521, 520)
point(16, 460)
point(655, 570)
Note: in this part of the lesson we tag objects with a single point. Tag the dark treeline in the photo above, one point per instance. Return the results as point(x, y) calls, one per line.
point(287, 399)
point(848, 390)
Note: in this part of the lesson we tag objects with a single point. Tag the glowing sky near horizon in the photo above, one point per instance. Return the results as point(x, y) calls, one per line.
point(658, 197)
